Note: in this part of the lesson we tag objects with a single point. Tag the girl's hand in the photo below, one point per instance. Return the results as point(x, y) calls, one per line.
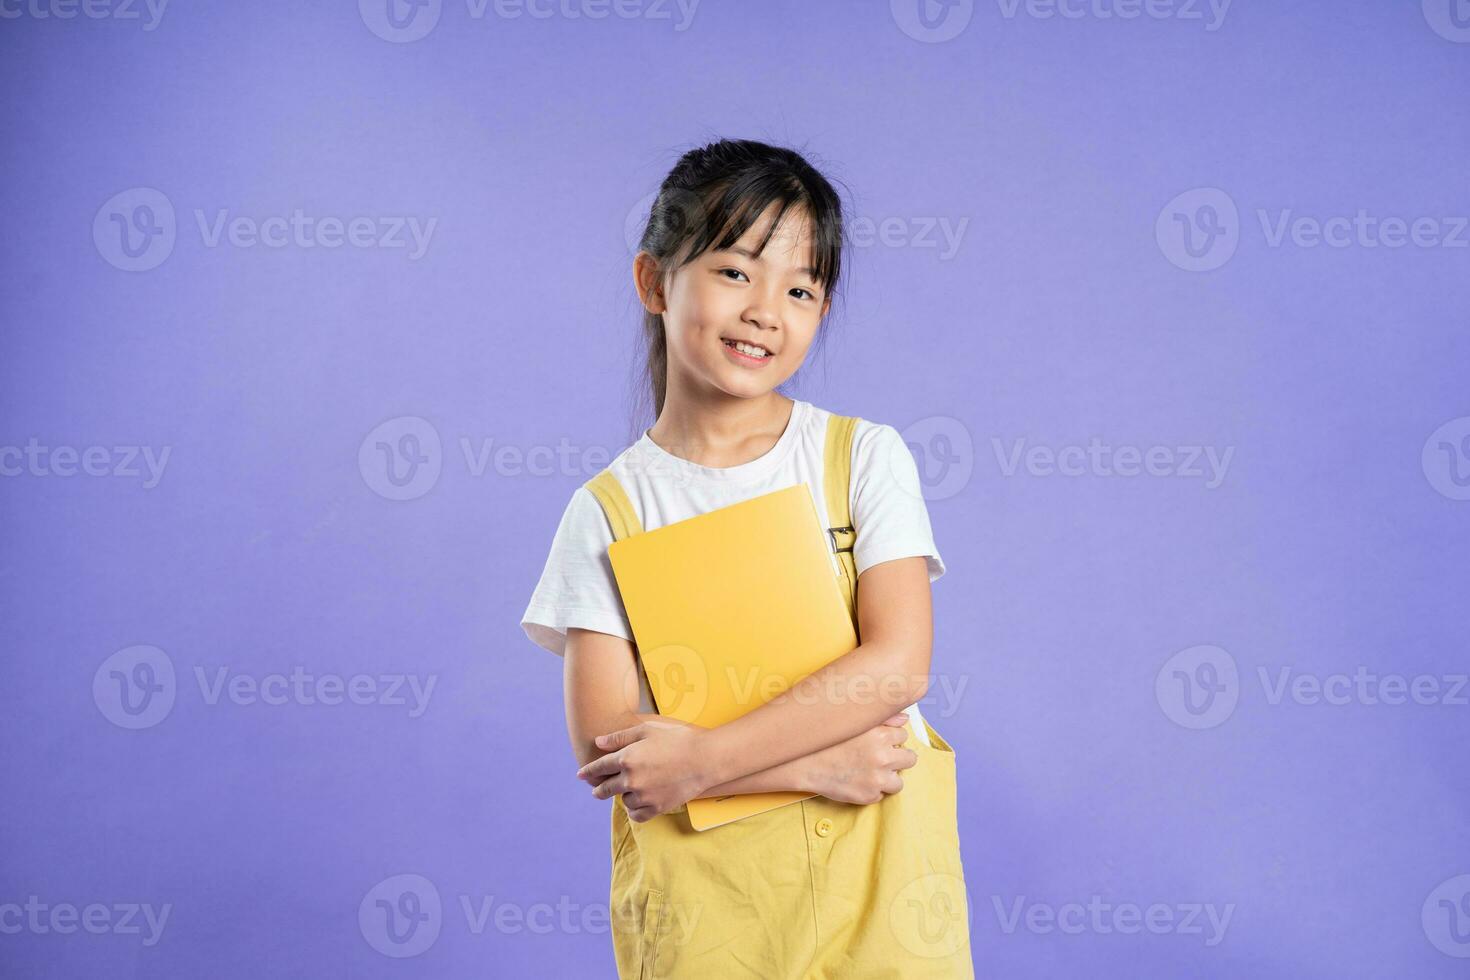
point(863, 769)
point(655, 767)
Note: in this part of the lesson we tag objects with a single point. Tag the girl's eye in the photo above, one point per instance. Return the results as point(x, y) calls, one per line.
point(808, 292)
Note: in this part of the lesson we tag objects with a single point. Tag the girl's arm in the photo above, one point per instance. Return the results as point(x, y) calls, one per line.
point(660, 768)
point(886, 672)
point(600, 686)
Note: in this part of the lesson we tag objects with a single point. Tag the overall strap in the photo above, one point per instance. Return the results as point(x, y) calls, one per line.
point(835, 482)
point(615, 504)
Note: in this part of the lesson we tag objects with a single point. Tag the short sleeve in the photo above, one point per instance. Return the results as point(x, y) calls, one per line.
point(577, 586)
point(887, 500)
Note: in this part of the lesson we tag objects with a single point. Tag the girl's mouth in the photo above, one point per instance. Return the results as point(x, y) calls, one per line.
point(747, 360)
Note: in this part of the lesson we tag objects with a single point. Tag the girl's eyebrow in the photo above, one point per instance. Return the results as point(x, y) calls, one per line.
point(806, 270)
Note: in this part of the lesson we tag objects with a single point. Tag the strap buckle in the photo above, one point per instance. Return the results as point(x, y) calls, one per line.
point(848, 537)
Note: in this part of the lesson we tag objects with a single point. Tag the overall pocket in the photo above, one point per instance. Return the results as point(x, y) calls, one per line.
point(935, 794)
point(651, 934)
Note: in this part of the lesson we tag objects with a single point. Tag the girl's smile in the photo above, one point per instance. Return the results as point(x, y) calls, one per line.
point(744, 359)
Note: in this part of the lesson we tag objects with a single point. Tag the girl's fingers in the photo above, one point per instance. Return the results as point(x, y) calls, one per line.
point(621, 737)
point(605, 765)
point(897, 720)
point(608, 787)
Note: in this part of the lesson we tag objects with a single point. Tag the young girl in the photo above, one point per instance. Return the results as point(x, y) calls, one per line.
point(736, 271)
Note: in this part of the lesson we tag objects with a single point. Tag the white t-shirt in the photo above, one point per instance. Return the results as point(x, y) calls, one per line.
point(885, 502)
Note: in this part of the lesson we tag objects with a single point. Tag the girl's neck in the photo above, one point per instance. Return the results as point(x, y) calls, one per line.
point(722, 433)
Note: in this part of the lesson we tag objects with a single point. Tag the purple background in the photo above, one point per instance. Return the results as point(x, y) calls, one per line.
point(1336, 539)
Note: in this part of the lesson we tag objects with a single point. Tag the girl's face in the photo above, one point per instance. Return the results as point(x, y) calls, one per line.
point(772, 301)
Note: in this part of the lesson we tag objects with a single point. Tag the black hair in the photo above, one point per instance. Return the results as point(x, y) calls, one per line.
point(710, 199)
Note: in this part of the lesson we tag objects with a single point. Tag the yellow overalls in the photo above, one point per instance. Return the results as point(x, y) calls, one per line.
point(814, 890)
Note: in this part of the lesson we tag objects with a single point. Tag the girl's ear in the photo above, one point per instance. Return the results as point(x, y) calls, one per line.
point(647, 280)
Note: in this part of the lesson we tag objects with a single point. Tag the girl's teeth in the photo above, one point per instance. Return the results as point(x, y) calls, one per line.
point(747, 349)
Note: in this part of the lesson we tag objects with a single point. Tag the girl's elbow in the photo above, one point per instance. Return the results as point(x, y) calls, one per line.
point(919, 663)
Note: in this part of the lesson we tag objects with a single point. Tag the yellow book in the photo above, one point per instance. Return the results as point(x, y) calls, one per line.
point(729, 609)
